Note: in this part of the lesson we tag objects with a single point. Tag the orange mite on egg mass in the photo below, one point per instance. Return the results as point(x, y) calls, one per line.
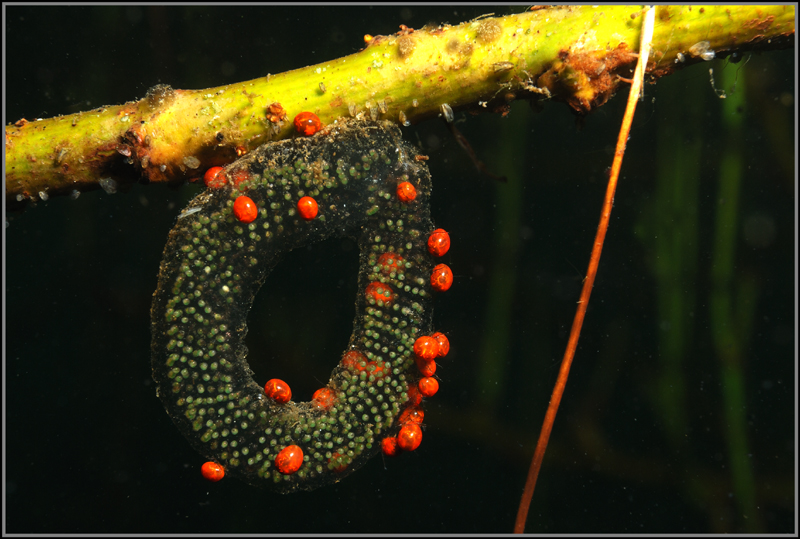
point(324, 398)
point(289, 460)
point(245, 209)
point(428, 386)
point(409, 437)
point(308, 208)
point(278, 390)
point(406, 192)
point(426, 347)
point(307, 123)
point(442, 278)
point(443, 341)
point(213, 179)
point(439, 242)
point(389, 447)
point(380, 292)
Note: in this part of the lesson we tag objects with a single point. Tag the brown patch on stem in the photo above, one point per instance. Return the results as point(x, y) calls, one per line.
point(586, 80)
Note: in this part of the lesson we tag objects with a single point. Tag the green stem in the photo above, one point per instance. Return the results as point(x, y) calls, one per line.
point(731, 318)
point(575, 54)
point(675, 241)
point(494, 356)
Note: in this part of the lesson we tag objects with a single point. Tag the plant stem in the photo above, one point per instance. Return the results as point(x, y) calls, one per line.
point(732, 306)
point(573, 54)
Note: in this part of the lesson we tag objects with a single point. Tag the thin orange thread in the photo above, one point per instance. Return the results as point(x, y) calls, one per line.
point(588, 283)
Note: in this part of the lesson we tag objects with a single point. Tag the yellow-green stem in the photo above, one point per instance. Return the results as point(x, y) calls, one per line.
point(574, 54)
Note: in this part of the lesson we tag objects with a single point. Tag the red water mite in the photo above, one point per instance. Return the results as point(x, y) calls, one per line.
point(426, 347)
point(375, 370)
point(409, 437)
point(278, 390)
point(426, 366)
point(240, 176)
point(406, 191)
point(341, 467)
point(308, 208)
point(324, 398)
point(289, 459)
point(443, 341)
point(352, 361)
point(307, 123)
point(390, 262)
point(438, 242)
point(428, 386)
point(414, 396)
point(380, 292)
point(212, 471)
point(442, 278)
point(355, 361)
point(245, 209)
point(413, 414)
point(213, 179)
point(276, 113)
point(389, 447)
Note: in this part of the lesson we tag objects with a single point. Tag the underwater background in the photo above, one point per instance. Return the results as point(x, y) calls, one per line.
point(679, 414)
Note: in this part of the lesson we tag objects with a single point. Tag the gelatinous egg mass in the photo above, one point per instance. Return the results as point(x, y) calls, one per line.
point(217, 258)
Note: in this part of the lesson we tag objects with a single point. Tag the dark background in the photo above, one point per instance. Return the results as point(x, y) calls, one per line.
point(89, 448)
